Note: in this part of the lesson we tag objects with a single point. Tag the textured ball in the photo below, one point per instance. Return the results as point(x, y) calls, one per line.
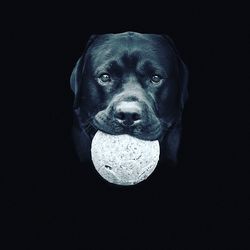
point(123, 159)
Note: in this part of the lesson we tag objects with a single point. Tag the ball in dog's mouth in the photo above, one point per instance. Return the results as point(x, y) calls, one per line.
point(124, 159)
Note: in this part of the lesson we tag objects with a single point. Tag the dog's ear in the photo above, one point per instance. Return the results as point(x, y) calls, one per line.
point(182, 73)
point(77, 73)
point(174, 135)
point(76, 77)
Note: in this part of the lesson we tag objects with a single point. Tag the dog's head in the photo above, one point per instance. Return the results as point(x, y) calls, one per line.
point(130, 83)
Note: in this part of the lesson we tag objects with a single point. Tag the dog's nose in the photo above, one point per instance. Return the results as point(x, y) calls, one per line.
point(128, 113)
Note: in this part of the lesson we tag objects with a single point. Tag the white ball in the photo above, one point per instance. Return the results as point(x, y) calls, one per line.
point(123, 159)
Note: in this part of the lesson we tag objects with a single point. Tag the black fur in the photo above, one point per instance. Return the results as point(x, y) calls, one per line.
point(130, 59)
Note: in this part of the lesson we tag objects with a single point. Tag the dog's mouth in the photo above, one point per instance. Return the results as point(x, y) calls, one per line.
point(143, 131)
point(90, 129)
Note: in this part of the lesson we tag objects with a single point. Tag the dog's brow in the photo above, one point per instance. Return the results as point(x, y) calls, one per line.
point(150, 67)
point(114, 65)
point(111, 66)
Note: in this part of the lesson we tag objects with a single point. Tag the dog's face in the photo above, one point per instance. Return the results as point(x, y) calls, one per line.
point(129, 83)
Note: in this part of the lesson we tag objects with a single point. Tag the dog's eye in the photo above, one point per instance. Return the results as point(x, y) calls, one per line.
point(156, 79)
point(105, 78)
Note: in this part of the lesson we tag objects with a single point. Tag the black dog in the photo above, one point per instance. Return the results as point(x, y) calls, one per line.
point(129, 83)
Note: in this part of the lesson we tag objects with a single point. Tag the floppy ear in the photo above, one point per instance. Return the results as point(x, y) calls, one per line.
point(76, 79)
point(182, 73)
point(174, 135)
point(183, 79)
point(77, 73)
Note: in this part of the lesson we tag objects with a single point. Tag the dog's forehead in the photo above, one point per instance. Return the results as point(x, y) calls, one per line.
point(128, 38)
point(150, 46)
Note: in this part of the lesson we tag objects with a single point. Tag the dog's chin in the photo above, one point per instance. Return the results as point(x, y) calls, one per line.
point(146, 132)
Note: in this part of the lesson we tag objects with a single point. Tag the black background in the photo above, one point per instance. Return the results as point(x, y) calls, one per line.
point(55, 201)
